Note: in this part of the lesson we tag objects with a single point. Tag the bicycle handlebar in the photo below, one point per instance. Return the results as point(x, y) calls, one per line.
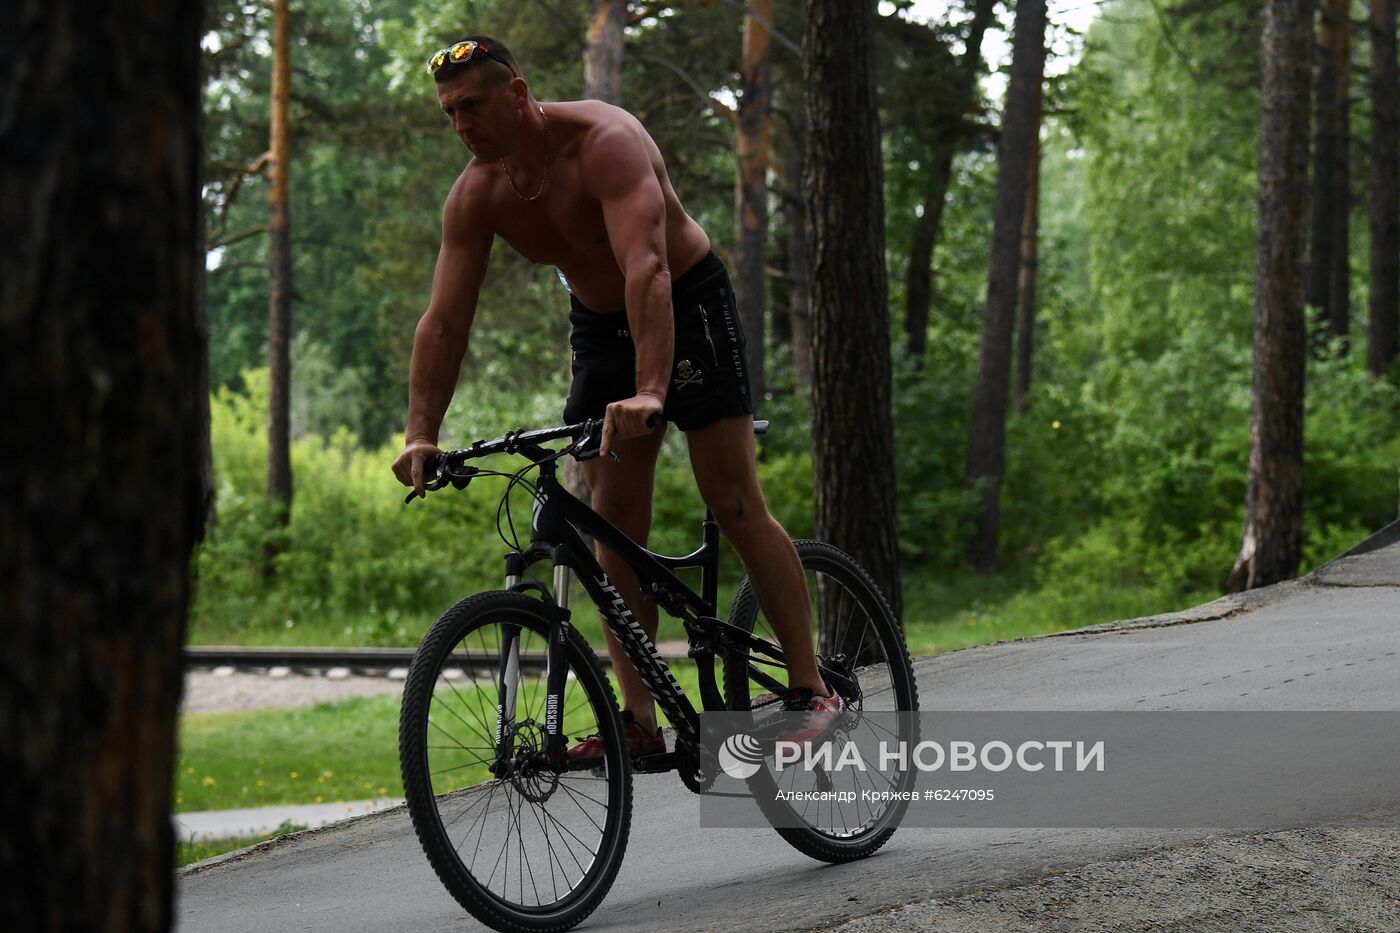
point(586, 434)
point(511, 442)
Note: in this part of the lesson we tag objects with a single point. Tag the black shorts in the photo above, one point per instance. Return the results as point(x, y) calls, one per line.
point(709, 379)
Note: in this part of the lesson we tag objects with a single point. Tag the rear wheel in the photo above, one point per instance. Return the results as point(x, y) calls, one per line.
point(856, 636)
point(523, 846)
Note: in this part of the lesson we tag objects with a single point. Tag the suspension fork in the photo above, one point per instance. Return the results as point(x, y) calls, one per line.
point(557, 670)
point(507, 687)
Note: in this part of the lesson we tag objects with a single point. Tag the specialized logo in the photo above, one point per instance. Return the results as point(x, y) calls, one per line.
point(535, 511)
point(630, 634)
point(741, 756)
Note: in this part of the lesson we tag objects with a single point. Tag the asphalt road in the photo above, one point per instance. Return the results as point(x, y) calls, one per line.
point(1330, 642)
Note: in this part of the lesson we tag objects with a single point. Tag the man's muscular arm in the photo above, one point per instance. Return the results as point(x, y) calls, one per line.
point(440, 341)
point(618, 171)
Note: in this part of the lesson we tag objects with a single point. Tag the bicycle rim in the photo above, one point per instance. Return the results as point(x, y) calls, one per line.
point(853, 631)
point(532, 849)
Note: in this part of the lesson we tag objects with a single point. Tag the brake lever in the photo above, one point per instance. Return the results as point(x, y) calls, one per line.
point(430, 486)
point(656, 420)
point(459, 480)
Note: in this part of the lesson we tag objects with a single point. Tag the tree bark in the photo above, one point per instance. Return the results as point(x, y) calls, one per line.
point(1328, 271)
point(279, 259)
point(602, 53)
point(918, 275)
point(1272, 539)
point(1383, 329)
point(852, 431)
point(751, 188)
point(1026, 297)
point(799, 276)
point(602, 80)
point(987, 432)
point(104, 392)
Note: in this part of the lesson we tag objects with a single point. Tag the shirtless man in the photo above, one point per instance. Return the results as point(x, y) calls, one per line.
point(580, 185)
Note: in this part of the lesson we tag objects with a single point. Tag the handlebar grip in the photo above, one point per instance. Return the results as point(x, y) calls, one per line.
point(431, 468)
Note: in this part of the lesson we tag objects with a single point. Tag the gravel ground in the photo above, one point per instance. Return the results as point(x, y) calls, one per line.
point(207, 692)
point(1309, 881)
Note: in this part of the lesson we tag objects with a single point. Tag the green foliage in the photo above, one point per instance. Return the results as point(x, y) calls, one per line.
point(356, 565)
point(352, 551)
point(1352, 453)
point(1125, 466)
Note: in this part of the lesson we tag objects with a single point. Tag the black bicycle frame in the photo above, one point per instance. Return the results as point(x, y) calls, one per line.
point(560, 520)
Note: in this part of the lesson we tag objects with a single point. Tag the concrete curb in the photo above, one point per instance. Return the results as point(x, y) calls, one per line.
point(231, 824)
point(267, 845)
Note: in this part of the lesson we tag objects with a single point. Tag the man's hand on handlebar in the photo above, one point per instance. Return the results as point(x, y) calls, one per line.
point(408, 466)
point(630, 417)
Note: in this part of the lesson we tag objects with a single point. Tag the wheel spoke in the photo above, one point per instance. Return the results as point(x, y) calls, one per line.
point(531, 837)
point(856, 639)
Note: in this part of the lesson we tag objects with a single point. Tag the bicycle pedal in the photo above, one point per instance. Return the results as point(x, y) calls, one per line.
point(655, 763)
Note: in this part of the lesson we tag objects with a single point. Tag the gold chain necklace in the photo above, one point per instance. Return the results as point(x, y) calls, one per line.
point(548, 161)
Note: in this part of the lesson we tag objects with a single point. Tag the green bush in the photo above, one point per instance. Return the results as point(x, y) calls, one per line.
point(353, 560)
point(356, 565)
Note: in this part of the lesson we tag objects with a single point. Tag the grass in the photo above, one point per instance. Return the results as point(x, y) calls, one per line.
point(976, 609)
point(328, 753)
point(197, 850)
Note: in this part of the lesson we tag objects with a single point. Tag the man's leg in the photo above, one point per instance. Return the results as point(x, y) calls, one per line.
point(722, 456)
point(622, 494)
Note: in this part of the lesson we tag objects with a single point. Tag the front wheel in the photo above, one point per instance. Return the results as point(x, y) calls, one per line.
point(520, 845)
point(857, 637)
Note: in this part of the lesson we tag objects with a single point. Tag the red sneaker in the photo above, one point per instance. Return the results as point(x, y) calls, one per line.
point(821, 711)
point(638, 742)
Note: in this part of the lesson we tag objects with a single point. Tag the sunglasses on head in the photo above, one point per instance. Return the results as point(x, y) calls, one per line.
point(459, 53)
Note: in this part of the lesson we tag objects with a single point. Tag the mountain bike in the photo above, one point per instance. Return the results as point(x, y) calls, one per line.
point(523, 836)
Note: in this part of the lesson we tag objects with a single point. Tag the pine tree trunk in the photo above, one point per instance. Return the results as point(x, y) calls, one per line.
point(279, 258)
point(1026, 298)
point(852, 433)
point(987, 431)
point(1272, 539)
point(1383, 329)
point(918, 275)
point(602, 53)
point(1328, 280)
point(799, 276)
point(602, 80)
point(104, 395)
point(751, 189)
point(1339, 281)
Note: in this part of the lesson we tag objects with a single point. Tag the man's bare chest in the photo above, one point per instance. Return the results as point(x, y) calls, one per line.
point(561, 227)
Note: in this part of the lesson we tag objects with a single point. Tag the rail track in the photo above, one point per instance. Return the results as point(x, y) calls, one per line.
point(371, 661)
